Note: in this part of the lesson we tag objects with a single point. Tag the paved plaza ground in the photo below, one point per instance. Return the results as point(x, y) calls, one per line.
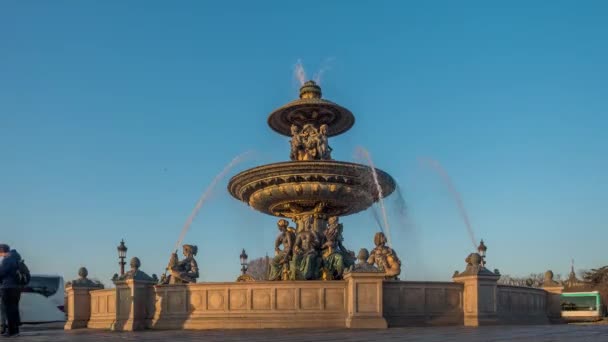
point(580, 333)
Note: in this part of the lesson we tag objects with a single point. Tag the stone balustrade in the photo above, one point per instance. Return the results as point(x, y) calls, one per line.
point(521, 305)
point(361, 300)
point(416, 303)
point(297, 304)
point(103, 309)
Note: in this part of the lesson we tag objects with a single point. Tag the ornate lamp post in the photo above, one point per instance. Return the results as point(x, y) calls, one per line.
point(122, 254)
point(482, 252)
point(244, 264)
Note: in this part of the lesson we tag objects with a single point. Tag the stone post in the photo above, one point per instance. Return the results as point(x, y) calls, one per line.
point(78, 300)
point(480, 293)
point(132, 304)
point(554, 291)
point(364, 296)
point(133, 292)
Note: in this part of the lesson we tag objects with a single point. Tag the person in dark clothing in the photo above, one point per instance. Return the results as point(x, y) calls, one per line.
point(18, 257)
point(3, 322)
point(10, 288)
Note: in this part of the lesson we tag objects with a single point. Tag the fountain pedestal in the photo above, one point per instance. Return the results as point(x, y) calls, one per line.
point(364, 293)
point(133, 307)
point(312, 189)
point(554, 291)
point(554, 309)
point(480, 292)
point(479, 297)
point(78, 300)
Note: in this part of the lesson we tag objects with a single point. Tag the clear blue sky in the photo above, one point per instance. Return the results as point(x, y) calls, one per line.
point(114, 116)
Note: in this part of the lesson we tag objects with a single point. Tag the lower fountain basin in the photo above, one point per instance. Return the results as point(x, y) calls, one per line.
point(289, 189)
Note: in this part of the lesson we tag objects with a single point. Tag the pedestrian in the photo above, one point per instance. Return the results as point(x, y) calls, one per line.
point(23, 279)
point(10, 289)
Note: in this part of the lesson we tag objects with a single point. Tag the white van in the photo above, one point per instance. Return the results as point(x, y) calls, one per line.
point(42, 300)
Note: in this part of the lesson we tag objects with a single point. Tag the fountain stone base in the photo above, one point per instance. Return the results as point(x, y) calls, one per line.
point(251, 305)
point(360, 301)
point(354, 303)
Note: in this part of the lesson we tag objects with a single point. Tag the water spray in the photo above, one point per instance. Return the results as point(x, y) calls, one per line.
point(199, 204)
point(387, 231)
point(433, 164)
point(299, 73)
point(400, 205)
point(377, 218)
point(325, 66)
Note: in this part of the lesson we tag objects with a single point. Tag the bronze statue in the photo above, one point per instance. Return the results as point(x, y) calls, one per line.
point(309, 143)
point(186, 270)
point(305, 223)
point(305, 262)
point(310, 188)
point(279, 266)
point(335, 256)
point(385, 257)
point(297, 144)
point(323, 144)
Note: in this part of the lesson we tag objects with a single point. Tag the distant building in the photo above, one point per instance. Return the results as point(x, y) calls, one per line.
point(572, 280)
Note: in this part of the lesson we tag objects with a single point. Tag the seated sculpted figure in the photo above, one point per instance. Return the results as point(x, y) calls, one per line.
point(186, 270)
point(305, 264)
point(279, 266)
point(310, 138)
point(297, 144)
point(384, 257)
point(323, 146)
point(336, 258)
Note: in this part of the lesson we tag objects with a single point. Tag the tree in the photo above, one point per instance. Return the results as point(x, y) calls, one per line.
point(533, 280)
point(597, 275)
point(258, 268)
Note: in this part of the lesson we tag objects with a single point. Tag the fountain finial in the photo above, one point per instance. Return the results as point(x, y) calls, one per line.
point(310, 90)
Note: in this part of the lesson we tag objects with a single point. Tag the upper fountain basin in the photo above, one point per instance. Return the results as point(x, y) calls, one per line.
point(327, 187)
point(310, 108)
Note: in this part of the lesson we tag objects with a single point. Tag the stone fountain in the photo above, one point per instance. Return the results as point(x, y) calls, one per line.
point(312, 189)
